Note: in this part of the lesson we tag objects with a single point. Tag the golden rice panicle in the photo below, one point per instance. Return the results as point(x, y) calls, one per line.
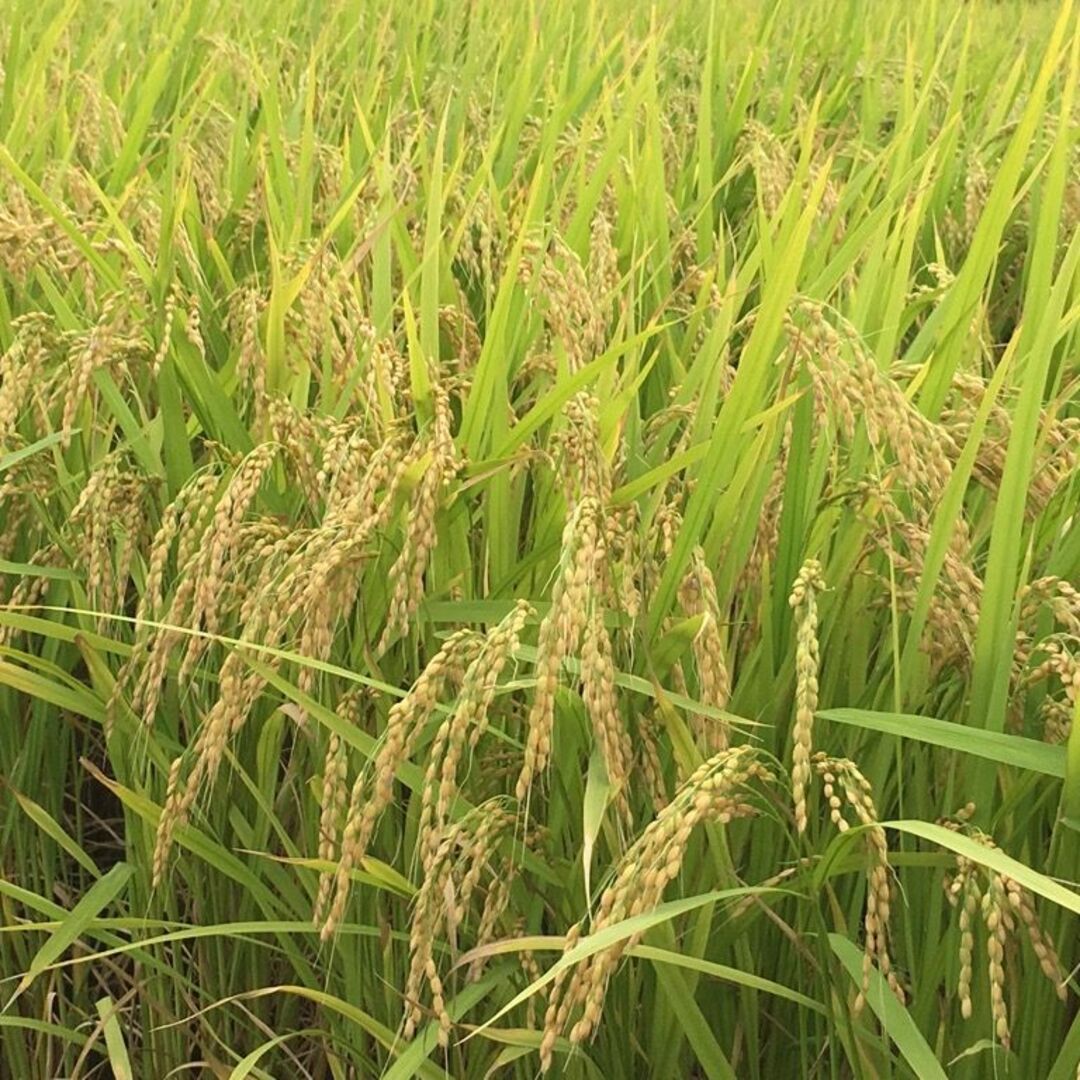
point(313, 582)
point(1057, 659)
point(923, 449)
point(104, 527)
point(588, 472)
point(603, 255)
point(767, 533)
point(150, 601)
point(560, 631)
point(245, 312)
point(460, 327)
point(154, 645)
point(365, 501)
point(858, 798)
point(496, 901)
point(648, 758)
point(1001, 902)
point(351, 345)
point(238, 691)
point(334, 797)
point(697, 595)
point(169, 813)
point(198, 503)
point(770, 163)
point(531, 970)
point(17, 490)
point(976, 189)
point(105, 345)
point(22, 366)
point(463, 851)
point(627, 558)
point(715, 792)
point(1058, 451)
point(91, 522)
point(169, 314)
point(465, 724)
point(952, 620)
point(602, 705)
point(321, 579)
point(346, 456)
point(560, 1002)
point(970, 904)
point(998, 925)
point(963, 892)
point(373, 789)
point(1060, 596)
point(803, 600)
point(428, 914)
point(30, 589)
point(421, 536)
point(476, 859)
point(264, 571)
point(1023, 905)
point(239, 687)
point(310, 321)
point(299, 435)
point(573, 317)
point(29, 239)
point(224, 528)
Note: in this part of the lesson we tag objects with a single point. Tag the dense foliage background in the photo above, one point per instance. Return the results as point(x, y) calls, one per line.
point(539, 537)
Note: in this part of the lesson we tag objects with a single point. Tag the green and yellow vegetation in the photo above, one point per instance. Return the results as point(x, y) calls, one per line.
point(539, 538)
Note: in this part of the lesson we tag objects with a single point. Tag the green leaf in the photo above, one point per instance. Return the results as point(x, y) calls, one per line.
point(727, 974)
point(411, 1060)
point(995, 859)
point(246, 1065)
point(114, 1040)
point(102, 893)
point(53, 573)
point(597, 796)
point(690, 1018)
point(13, 457)
point(612, 935)
point(1012, 750)
point(51, 827)
point(895, 1020)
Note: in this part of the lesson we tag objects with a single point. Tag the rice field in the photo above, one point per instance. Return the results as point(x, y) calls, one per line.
point(540, 539)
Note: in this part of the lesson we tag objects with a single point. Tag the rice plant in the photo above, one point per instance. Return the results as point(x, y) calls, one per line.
point(539, 539)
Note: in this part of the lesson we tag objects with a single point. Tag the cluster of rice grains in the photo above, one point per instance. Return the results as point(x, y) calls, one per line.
point(803, 600)
point(326, 531)
point(718, 791)
point(914, 461)
point(698, 598)
point(1048, 656)
point(593, 534)
point(235, 564)
point(463, 859)
point(843, 785)
point(458, 859)
point(840, 776)
point(999, 904)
